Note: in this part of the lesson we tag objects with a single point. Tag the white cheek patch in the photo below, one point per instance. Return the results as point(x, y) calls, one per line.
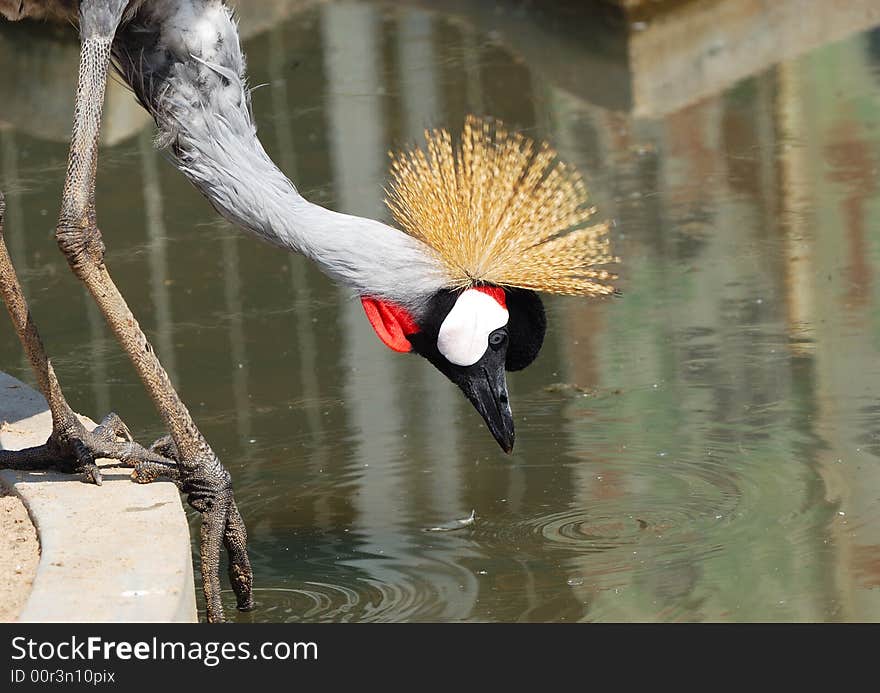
point(464, 334)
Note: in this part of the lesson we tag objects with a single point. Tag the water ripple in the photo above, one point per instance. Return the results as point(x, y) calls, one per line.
point(392, 596)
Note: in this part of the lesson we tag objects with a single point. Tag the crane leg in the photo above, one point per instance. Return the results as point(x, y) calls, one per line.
point(71, 447)
point(200, 474)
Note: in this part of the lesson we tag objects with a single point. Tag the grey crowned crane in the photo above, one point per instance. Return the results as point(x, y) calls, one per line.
point(485, 221)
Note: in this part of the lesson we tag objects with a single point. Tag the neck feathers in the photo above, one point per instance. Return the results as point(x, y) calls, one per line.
point(184, 61)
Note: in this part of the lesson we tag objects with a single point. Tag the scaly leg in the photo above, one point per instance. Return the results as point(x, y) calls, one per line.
point(201, 475)
point(70, 448)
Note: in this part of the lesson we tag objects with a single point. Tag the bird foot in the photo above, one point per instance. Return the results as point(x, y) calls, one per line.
point(207, 484)
point(73, 449)
point(208, 489)
point(146, 471)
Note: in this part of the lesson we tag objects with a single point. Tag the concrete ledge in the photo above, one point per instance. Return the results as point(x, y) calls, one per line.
point(113, 553)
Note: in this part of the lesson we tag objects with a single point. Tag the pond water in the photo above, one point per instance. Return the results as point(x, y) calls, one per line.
point(704, 447)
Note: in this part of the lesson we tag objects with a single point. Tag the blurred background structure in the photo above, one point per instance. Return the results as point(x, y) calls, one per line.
point(703, 448)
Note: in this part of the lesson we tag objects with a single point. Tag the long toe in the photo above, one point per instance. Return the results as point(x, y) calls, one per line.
point(111, 428)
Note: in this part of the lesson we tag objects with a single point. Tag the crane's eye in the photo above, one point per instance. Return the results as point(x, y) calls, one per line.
point(497, 338)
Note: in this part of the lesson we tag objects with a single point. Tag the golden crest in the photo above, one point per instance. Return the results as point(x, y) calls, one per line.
point(497, 209)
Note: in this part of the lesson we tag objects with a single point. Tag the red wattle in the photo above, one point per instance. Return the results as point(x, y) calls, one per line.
point(391, 323)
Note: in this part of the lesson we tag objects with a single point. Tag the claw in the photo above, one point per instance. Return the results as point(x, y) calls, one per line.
point(92, 475)
point(138, 477)
point(241, 574)
point(145, 472)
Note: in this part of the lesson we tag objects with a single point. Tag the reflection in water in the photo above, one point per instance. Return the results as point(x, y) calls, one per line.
point(708, 449)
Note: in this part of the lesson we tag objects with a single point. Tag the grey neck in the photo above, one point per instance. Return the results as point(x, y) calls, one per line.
point(246, 187)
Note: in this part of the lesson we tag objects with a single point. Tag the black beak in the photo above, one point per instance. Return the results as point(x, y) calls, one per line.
point(485, 385)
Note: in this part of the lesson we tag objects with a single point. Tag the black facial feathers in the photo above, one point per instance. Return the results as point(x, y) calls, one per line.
point(526, 327)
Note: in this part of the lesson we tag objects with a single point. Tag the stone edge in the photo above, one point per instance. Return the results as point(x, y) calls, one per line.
point(115, 553)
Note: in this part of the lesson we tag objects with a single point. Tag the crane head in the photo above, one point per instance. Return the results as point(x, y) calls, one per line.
point(473, 337)
point(502, 217)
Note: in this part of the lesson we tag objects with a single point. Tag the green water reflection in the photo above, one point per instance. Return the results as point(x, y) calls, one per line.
point(710, 449)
